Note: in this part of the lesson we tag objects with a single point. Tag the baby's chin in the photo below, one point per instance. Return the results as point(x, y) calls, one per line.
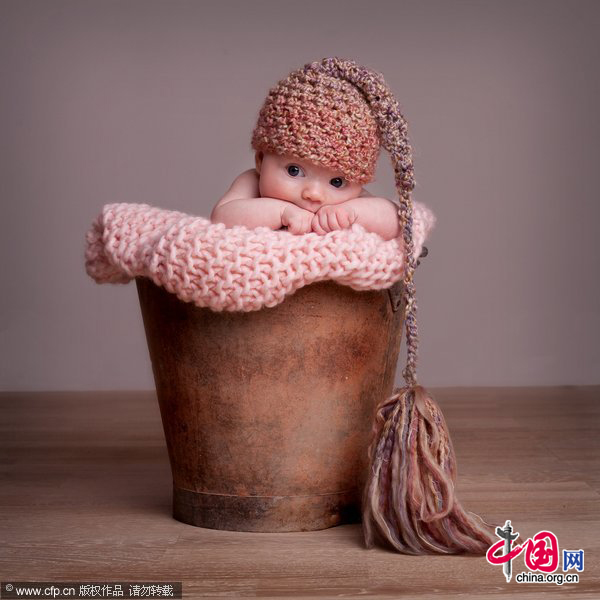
point(306, 204)
point(311, 205)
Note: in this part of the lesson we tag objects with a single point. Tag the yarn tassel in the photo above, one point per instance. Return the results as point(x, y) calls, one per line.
point(409, 499)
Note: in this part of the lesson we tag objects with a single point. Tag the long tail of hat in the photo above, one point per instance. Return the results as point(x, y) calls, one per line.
point(409, 499)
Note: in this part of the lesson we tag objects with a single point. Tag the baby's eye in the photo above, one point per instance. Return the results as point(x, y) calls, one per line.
point(337, 182)
point(293, 170)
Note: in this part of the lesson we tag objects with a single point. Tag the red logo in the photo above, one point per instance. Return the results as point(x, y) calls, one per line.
point(541, 552)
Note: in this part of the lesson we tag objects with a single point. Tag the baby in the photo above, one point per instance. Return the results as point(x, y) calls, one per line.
point(288, 192)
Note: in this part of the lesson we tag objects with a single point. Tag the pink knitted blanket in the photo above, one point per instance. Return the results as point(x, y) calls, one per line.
point(239, 269)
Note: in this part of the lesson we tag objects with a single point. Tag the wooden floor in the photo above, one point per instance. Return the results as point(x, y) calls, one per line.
point(85, 495)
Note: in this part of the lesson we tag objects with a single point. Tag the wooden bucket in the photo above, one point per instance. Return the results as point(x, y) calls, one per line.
point(268, 414)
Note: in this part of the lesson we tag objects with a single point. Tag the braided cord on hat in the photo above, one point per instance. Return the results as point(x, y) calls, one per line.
point(393, 130)
point(409, 498)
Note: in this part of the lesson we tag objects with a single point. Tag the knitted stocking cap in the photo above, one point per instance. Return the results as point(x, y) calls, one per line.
point(337, 113)
point(317, 116)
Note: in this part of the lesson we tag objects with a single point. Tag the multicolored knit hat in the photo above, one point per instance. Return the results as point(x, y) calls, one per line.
point(338, 114)
point(323, 119)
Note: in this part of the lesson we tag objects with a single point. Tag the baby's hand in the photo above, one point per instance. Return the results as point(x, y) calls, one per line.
point(333, 216)
point(296, 219)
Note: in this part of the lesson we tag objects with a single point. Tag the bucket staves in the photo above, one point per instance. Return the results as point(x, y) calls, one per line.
point(267, 414)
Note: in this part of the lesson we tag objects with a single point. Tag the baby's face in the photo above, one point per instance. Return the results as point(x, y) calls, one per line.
point(302, 182)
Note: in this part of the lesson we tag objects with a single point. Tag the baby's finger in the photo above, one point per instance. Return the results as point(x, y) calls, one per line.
point(306, 225)
point(316, 226)
point(344, 220)
point(323, 222)
point(333, 222)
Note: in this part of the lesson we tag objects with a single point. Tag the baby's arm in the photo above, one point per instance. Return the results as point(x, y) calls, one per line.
point(378, 215)
point(242, 205)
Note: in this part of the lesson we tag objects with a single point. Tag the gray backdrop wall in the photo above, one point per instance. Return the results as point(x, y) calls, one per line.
point(154, 101)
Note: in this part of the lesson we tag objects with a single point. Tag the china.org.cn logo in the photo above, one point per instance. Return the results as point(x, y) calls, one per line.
point(541, 553)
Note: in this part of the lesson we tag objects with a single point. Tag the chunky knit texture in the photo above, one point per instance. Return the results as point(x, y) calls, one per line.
point(238, 269)
point(323, 119)
point(336, 113)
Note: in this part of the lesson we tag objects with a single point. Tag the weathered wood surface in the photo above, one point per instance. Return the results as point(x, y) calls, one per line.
point(86, 494)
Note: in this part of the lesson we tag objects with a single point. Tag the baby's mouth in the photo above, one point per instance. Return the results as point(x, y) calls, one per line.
point(312, 205)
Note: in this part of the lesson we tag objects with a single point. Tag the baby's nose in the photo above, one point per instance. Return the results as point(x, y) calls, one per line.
point(312, 192)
